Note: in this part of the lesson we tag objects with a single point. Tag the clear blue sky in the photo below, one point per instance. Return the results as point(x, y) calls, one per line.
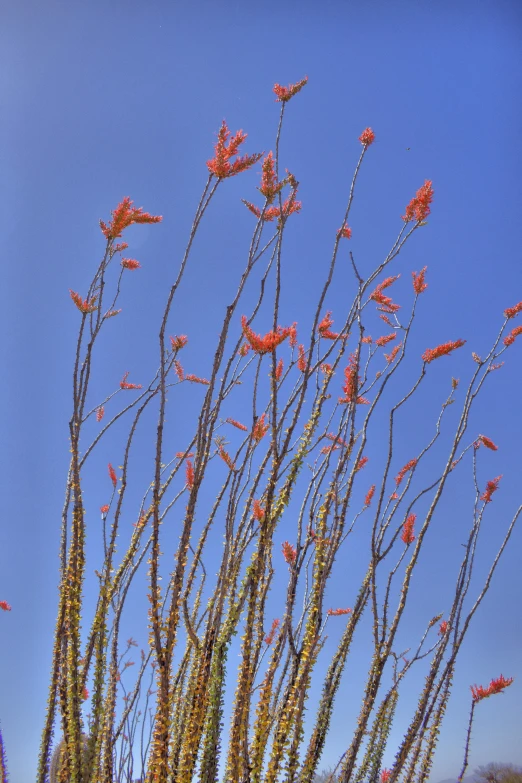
point(105, 99)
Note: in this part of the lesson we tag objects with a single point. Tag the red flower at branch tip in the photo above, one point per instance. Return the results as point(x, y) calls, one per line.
point(85, 694)
point(5, 606)
point(491, 487)
point(227, 459)
point(441, 350)
point(488, 443)
point(510, 338)
point(269, 342)
point(100, 412)
point(125, 385)
point(369, 495)
point(269, 638)
point(345, 232)
point(390, 357)
point(511, 312)
point(189, 474)
point(270, 187)
point(260, 428)
point(418, 281)
point(258, 511)
point(237, 424)
point(196, 379)
point(104, 509)
point(419, 207)
point(367, 137)
point(285, 93)
point(361, 463)
point(385, 775)
point(279, 370)
point(478, 692)
point(126, 215)
point(385, 339)
point(289, 553)
point(178, 342)
point(112, 475)
point(301, 360)
point(402, 472)
point(85, 306)
point(443, 627)
point(337, 612)
point(407, 530)
point(220, 165)
point(130, 263)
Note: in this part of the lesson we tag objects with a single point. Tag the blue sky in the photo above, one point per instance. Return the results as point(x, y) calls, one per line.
point(105, 99)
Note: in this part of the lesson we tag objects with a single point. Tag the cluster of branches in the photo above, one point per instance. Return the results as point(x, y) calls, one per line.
point(303, 447)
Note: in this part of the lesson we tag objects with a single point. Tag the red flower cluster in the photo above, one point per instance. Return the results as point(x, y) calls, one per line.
point(178, 342)
point(385, 775)
point(269, 638)
point(289, 553)
point(391, 356)
point(100, 412)
point(418, 281)
point(196, 379)
point(104, 509)
point(189, 474)
point(270, 187)
point(488, 443)
point(285, 93)
point(419, 207)
point(345, 232)
point(387, 305)
point(441, 350)
point(478, 692)
point(510, 338)
point(402, 472)
point(220, 164)
point(130, 263)
point(324, 328)
point(85, 306)
point(237, 424)
point(369, 495)
point(301, 360)
point(511, 312)
point(367, 137)
point(337, 612)
point(361, 463)
point(260, 428)
point(407, 529)
point(258, 511)
point(279, 370)
point(289, 206)
point(125, 385)
point(269, 342)
point(5, 606)
point(491, 487)
point(178, 369)
point(443, 627)
point(387, 338)
point(351, 383)
point(112, 475)
point(125, 215)
point(227, 459)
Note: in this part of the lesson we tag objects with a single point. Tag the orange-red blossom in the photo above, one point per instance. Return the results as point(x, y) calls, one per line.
point(511, 312)
point(285, 93)
point(337, 612)
point(418, 281)
point(478, 692)
point(351, 383)
point(491, 487)
point(85, 306)
point(258, 511)
point(125, 385)
point(407, 529)
point(125, 215)
point(269, 638)
point(367, 137)
point(402, 472)
point(112, 475)
point(289, 552)
point(5, 606)
point(441, 350)
point(189, 474)
point(260, 428)
point(419, 207)
point(509, 339)
point(220, 165)
point(269, 342)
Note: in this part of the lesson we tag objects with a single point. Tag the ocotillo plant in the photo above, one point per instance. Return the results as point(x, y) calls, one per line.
point(280, 441)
